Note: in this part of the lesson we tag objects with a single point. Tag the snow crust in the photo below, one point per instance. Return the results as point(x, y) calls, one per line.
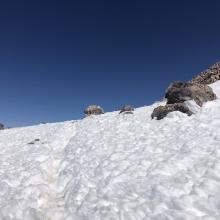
point(112, 167)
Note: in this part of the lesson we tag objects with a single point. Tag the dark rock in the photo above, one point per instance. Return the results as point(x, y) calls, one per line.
point(43, 123)
point(93, 110)
point(162, 111)
point(34, 141)
point(178, 92)
point(208, 76)
point(2, 126)
point(126, 109)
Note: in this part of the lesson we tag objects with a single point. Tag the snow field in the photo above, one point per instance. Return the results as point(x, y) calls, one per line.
point(109, 167)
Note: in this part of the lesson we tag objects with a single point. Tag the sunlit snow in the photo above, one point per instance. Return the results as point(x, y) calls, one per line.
point(114, 167)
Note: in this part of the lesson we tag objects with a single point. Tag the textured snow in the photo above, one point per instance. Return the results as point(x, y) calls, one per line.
point(113, 166)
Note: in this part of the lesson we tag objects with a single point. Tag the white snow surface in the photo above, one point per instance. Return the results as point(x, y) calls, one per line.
point(114, 167)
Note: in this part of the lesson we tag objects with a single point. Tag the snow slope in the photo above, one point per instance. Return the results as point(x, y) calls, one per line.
point(113, 167)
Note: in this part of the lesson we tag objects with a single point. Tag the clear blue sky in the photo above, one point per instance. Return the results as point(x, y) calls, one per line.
point(57, 57)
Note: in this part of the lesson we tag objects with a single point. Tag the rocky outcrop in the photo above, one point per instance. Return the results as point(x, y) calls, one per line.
point(208, 76)
point(162, 111)
point(93, 110)
point(179, 92)
point(126, 109)
point(2, 126)
point(196, 89)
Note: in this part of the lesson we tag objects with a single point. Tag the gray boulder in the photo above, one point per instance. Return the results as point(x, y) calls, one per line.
point(162, 111)
point(2, 126)
point(126, 109)
point(178, 92)
point(93, 110)
point(208, 76)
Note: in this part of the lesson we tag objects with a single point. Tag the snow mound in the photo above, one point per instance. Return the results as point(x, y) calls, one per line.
point(113, 166)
